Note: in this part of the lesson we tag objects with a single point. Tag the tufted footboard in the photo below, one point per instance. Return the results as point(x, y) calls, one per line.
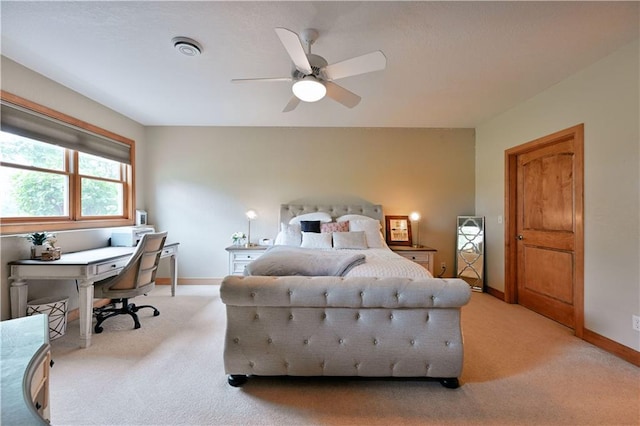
point(335, 326)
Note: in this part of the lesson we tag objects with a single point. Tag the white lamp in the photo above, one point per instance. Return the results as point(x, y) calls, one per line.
point(415, 217)
point(251, 214)
point(309, 89)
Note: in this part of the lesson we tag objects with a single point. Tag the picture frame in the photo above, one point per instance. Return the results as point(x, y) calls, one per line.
point(398, 230)
point(141, 218)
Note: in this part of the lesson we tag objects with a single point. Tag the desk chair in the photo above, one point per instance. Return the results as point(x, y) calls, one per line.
point(136, 278)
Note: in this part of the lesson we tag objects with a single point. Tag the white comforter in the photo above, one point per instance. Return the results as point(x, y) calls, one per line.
point(382, 262)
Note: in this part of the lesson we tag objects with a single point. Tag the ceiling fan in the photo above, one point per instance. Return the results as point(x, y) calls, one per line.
point(313, 77)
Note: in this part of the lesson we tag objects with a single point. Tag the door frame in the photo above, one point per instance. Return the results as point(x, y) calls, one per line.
point(510, 206)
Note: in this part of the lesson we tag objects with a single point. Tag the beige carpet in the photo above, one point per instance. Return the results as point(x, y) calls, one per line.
point(520, 369)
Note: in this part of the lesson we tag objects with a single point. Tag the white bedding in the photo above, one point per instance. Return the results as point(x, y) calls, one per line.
point(382, 262)
point(379, 262)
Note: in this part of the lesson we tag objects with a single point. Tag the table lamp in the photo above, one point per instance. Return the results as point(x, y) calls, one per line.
point(415, 217)
point(251, 214)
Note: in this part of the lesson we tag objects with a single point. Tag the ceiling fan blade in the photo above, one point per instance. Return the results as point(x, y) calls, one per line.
point(292, 44)
point(342, 95)
point(374, 61)
point(260, 80)
point(293, 103)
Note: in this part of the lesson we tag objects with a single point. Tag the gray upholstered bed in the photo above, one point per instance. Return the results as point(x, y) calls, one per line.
point(368, 326)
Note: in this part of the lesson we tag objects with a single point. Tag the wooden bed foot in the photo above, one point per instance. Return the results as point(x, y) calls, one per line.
point(450, 382)
point(237, 380)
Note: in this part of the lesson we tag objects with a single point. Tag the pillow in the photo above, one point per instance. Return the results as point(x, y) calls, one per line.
point(289, 235)
point(321, 216)
point(310, 226)
point(348, 217)
point(334, 227)
point(349, 240)
point(316, 240)
point(371, 230)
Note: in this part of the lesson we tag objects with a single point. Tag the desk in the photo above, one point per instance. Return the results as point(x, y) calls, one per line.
point(87, 267)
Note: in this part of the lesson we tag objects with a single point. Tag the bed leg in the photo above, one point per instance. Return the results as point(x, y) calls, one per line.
point(237, 380)
point(450, 382)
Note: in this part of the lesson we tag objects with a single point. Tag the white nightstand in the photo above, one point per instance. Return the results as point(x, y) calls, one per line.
point(241, 256)
point(424, 256)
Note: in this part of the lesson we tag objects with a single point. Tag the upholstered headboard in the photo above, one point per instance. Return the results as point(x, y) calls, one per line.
point(289, 211)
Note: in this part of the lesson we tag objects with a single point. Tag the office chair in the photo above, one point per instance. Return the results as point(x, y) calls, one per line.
point(136, 278)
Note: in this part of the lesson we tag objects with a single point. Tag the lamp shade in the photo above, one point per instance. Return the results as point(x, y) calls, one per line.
point(309, 89)
point(251, 214)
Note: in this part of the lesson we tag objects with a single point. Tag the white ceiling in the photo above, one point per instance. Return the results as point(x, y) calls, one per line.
point(449, 64)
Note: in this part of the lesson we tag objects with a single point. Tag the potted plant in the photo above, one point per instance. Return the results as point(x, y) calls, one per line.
point(40, 241)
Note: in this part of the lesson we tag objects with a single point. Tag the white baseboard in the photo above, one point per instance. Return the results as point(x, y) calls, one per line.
point(190, 281)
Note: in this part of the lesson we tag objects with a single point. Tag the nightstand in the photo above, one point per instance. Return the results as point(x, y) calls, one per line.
point(423, 255)
point(241, 256)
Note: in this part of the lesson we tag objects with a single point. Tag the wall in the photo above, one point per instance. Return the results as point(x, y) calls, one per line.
point(203, 179)
point(23, 82)
point(605, 97)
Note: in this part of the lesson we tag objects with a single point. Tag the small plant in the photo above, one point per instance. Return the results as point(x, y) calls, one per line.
point(39, 238)
point(238, 237)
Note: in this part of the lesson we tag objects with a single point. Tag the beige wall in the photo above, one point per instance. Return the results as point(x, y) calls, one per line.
point(204, 179)
point(605, 98)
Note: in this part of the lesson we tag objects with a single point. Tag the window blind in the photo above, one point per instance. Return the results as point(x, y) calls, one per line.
point(31, 124)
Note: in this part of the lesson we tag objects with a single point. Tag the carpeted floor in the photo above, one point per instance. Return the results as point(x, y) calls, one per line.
point(520, 369)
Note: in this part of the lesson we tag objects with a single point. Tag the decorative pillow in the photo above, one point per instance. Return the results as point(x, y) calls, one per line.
point(316, 240)
point(289, 235)
point(310, 226)
point(349, 240)
point(371, 230)
point(334, 227)
point(321, 216)
point(348, 217)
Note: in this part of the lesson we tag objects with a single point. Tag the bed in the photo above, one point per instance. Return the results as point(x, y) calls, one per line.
point(303, 310)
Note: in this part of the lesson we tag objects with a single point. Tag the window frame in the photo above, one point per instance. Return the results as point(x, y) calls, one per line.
point(75, 220)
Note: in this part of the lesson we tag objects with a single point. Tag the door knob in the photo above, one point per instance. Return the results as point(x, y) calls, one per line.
point(520, 237)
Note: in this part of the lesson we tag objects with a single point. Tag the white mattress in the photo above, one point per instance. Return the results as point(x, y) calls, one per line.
point(382, 262)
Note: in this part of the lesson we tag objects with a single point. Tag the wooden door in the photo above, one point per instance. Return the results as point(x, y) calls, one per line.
point(547, 226)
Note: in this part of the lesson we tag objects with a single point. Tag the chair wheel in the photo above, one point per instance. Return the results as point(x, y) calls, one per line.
point(98, 329)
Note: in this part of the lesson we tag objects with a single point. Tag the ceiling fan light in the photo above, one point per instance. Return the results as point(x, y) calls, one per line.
point(309, 89)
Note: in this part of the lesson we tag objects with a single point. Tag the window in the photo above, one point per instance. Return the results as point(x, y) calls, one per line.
point(101, 186)
point(34, 180)
point(58, 173)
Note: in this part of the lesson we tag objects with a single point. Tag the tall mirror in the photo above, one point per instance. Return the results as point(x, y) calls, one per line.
point(470, 251)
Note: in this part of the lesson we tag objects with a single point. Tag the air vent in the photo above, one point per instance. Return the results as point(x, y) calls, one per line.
point(187, 46)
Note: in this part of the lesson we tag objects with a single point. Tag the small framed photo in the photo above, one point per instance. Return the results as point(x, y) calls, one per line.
point(398, 230)
point(141, 217)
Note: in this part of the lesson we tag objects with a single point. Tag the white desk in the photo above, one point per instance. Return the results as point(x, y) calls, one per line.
point(87, 267)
